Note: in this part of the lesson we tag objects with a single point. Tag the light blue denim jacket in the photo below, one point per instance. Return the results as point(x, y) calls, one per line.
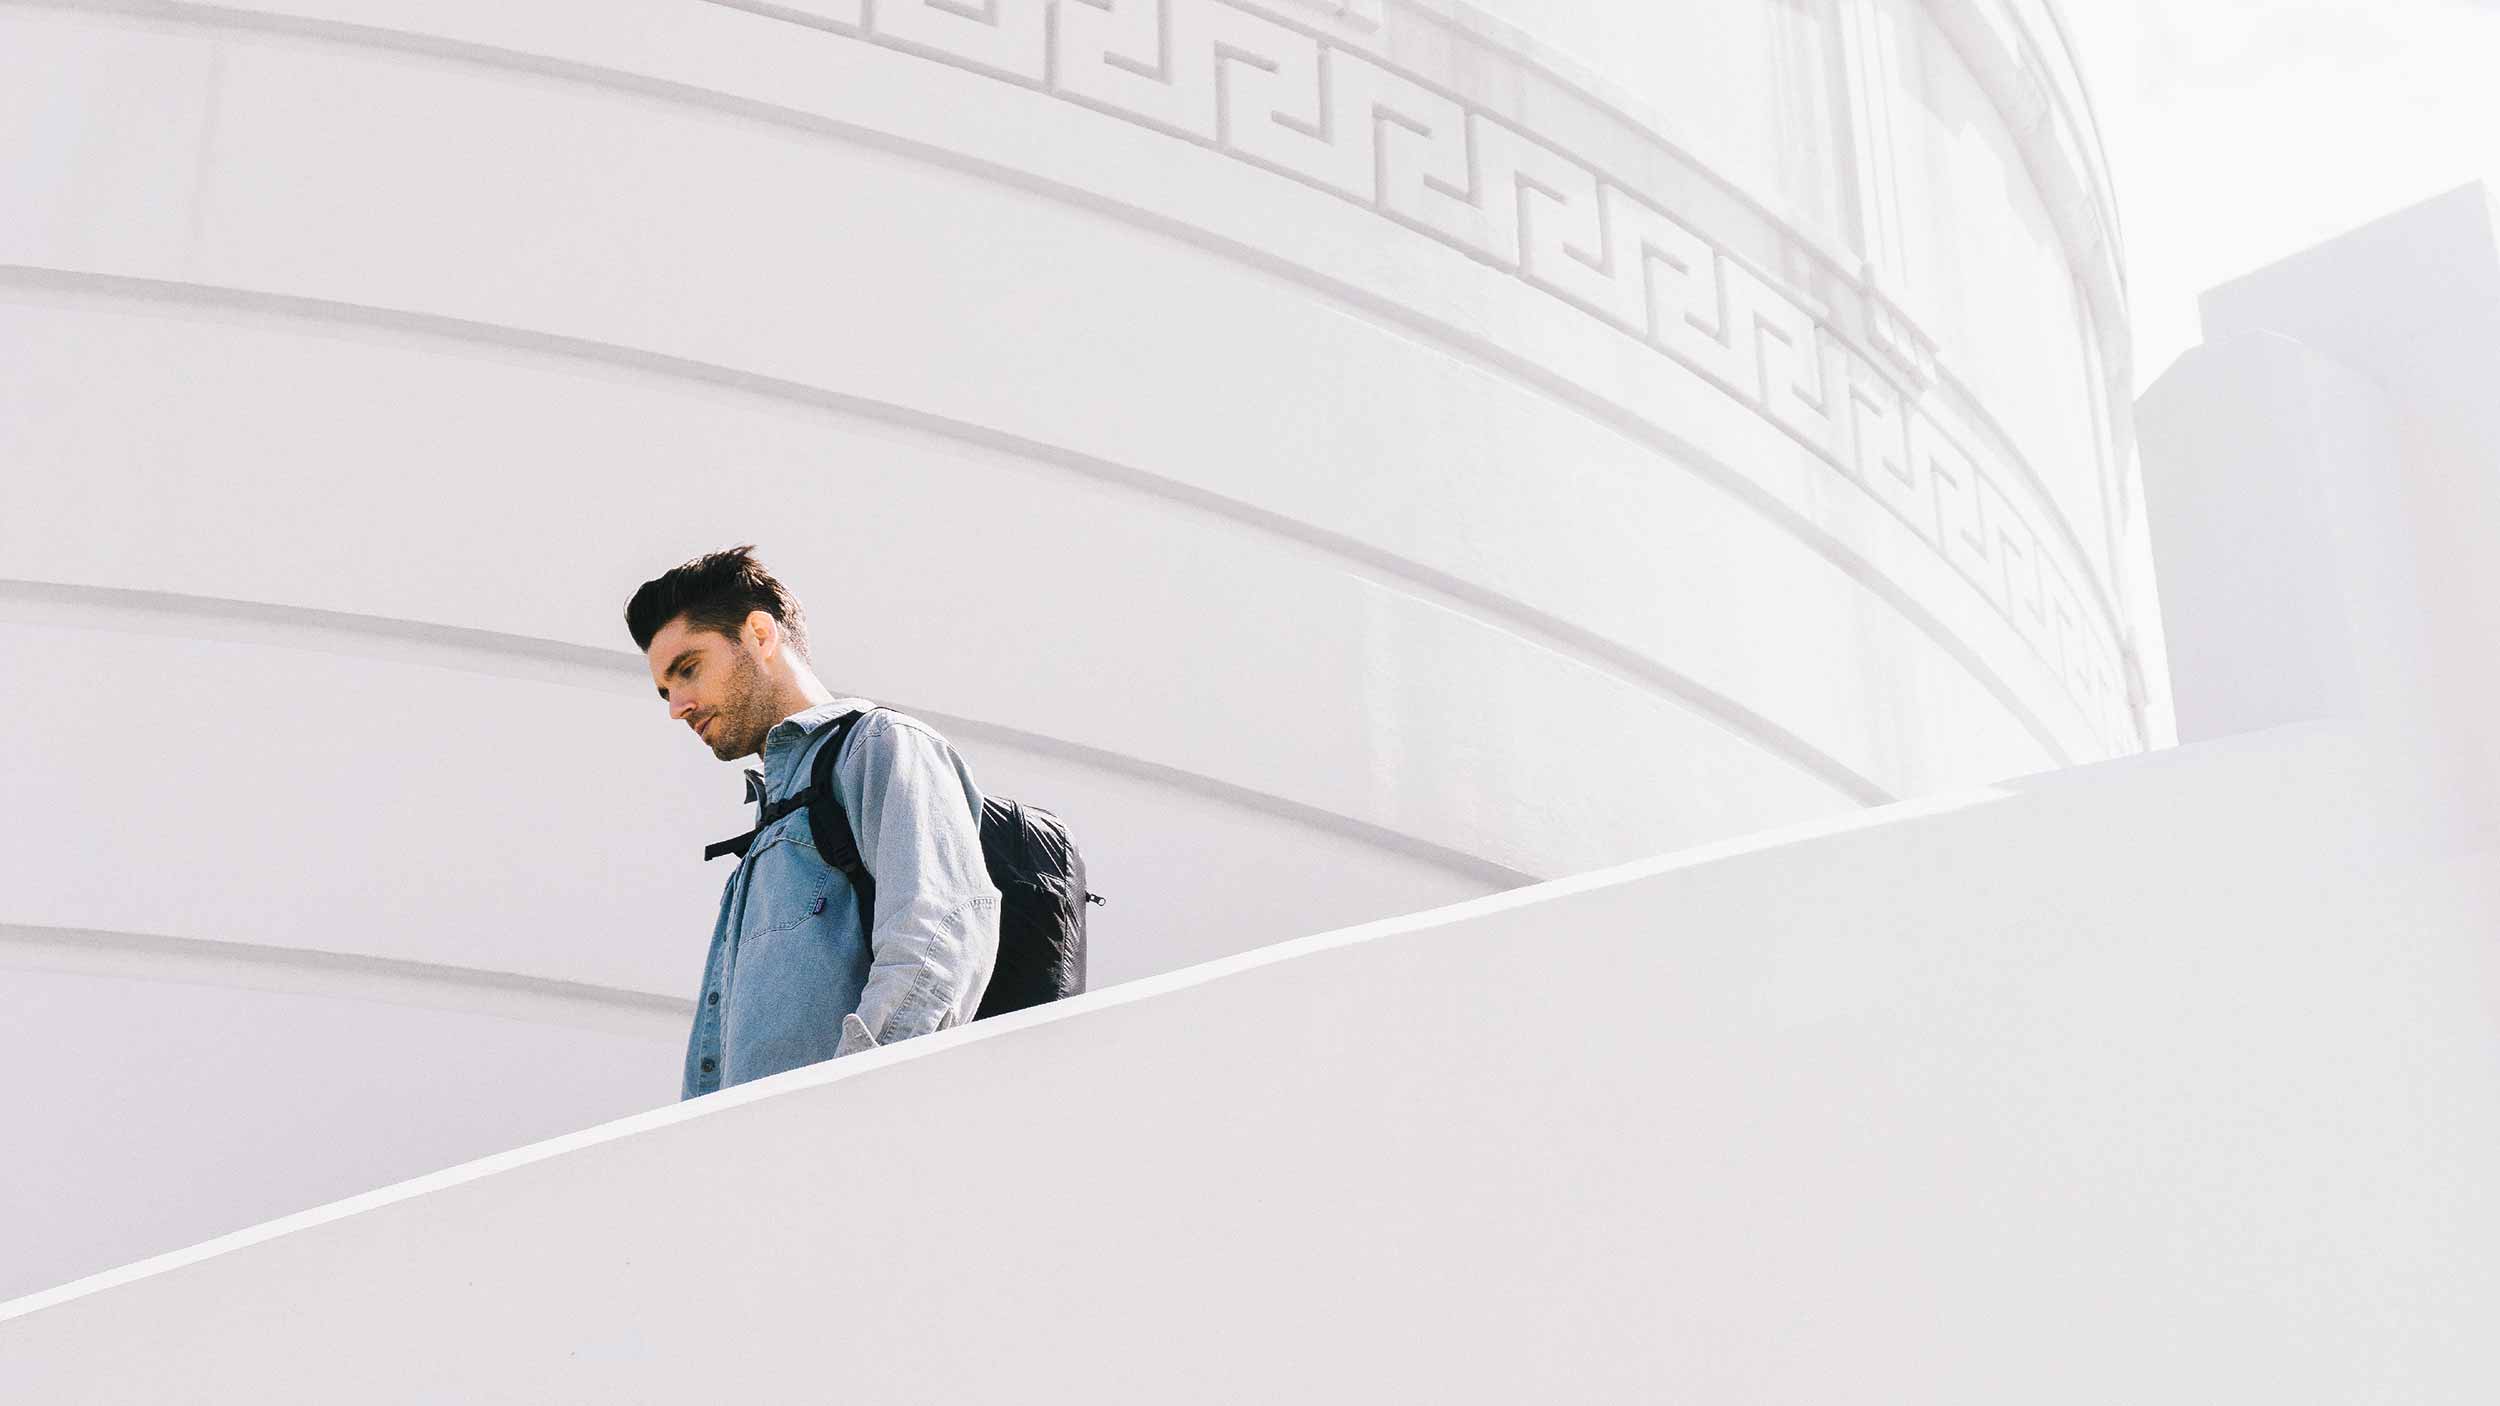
point(791, 979)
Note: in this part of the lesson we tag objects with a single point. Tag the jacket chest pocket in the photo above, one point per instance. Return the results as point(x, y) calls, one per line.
point(788, 888)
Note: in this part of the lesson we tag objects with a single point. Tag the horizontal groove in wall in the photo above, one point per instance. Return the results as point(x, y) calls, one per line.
point(310, 972)
point(1495, 610)
point(626, 675)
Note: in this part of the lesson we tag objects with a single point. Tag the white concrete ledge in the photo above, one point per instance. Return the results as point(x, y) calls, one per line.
point(1876, 1108)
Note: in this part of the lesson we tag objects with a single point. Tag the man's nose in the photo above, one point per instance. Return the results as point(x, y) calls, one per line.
point(678, 709)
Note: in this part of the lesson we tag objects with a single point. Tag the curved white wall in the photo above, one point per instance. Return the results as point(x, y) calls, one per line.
point(1345, 458)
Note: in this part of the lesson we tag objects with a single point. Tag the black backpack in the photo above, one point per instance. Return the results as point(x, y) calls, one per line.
point(1032, 860)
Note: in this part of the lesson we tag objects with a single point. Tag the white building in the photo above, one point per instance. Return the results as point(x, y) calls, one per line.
point(1349, 458)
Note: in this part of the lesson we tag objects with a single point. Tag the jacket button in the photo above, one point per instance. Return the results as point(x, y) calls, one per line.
point(707, 1064)
point(820, 904)
point(712, 1000)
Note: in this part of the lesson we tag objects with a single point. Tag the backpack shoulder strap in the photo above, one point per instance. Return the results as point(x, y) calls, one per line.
point(830, 823)
point(820, 781)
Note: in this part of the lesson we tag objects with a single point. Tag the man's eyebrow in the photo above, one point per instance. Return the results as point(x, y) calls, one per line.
point(673, 666)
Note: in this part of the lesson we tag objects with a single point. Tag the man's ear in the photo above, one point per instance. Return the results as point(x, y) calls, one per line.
point(763, 633)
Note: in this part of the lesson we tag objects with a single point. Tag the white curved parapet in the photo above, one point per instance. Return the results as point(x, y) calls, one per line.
point(1346, 458)
point(1916, 1107)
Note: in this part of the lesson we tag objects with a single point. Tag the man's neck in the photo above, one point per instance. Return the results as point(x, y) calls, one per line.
point(796, 695)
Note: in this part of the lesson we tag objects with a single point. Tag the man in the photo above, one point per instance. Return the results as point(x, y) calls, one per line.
point(791, 978)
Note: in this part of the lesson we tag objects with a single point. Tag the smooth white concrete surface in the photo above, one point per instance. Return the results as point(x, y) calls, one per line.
point(2312, 609)
point(268, 1090)
point(1913, 1107)
point(1345, 457)
point(2324, 477)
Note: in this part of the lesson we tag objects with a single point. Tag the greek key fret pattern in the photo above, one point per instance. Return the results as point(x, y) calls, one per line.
point(1288, 99)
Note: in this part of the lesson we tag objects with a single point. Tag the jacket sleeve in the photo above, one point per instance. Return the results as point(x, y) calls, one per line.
point(915, 812)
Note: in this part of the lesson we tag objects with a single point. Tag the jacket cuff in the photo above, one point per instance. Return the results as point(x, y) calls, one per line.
point(855, 1036)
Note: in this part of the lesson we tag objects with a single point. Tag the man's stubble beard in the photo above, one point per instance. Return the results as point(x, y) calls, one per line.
point(744, 715)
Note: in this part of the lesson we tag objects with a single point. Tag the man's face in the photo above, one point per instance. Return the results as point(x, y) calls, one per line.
point(713, 684)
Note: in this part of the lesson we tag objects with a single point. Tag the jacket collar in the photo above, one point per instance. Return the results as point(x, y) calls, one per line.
point(785, 744)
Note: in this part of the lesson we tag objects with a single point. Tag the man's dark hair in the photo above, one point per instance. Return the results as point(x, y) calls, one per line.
point(715, 592)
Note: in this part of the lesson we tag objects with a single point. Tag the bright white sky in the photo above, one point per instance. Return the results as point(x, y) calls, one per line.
point(2246, 130)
